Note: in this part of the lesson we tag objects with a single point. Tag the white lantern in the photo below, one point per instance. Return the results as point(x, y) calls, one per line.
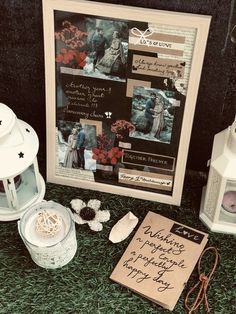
point(21, 184)
point(218, 206)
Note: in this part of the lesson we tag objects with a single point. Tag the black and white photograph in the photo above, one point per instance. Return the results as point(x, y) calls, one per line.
point(91, 46)
point(153, 113)
point(75, 142)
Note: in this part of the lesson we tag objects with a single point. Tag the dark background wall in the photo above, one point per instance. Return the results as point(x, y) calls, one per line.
point(22, 68)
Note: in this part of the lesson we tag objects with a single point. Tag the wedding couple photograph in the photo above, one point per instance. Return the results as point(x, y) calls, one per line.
point(153, 114)
point(75, 142)
point(92, 46)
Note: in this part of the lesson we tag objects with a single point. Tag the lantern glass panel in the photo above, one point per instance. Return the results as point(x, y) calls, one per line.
point(228, 207)
point(25, 189)
point(3, 197)
point(28, 187)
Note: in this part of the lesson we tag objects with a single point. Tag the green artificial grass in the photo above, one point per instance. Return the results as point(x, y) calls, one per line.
point(83, 286)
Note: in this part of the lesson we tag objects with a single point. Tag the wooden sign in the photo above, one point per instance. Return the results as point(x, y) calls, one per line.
point(159, 259)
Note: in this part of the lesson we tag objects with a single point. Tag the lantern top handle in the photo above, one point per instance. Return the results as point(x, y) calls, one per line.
point(231, 143)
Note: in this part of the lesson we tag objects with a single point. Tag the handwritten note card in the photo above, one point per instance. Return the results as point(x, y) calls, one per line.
point(159, 259)
point(157, 67)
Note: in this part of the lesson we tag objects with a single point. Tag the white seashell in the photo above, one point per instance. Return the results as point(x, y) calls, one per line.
point(122, 229)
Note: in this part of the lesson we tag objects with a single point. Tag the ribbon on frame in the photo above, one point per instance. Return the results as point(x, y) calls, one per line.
point(141, 35)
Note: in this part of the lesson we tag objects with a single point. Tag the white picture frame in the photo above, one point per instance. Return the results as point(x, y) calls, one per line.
point(157, 52)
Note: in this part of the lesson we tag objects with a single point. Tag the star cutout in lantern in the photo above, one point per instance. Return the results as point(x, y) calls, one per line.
point(27, 130)
point(21, 155)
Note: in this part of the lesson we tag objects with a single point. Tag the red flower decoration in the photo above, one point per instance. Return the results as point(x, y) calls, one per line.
point(71, 35)
point(104, 153)
point(120, 127)
point(71, 57)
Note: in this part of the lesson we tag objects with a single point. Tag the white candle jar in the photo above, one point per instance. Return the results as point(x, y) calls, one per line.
point(52, 246)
